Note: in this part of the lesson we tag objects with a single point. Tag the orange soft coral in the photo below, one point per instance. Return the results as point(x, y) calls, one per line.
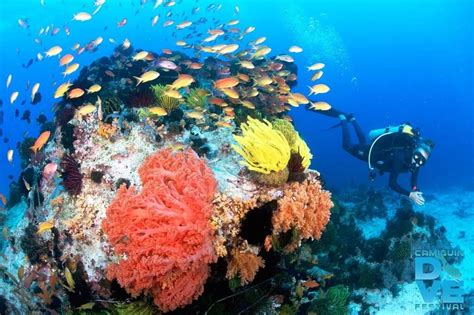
point(305, 208)
point(245, 264)
point(162, 233)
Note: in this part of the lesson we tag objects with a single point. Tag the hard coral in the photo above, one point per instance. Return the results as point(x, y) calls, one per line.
point(264, 149)
point(163, 232)
point(305, 208)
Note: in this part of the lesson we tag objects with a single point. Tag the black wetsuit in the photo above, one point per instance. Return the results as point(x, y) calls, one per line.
point(391, 154)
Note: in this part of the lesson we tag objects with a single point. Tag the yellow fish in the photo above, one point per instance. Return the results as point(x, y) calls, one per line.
point(66, 59)
point(70, 69)
point(69, 278)
point(264, 81)
point(147, 77)
point(41, 141)
point(34, 90)
point(62, 89)
point(82, 17)
point(300, 98)
point(262, 51)
point(227, 49)
point(316, 66)
point(13, 97)
point(260, 40)
point(9, 80)
point(173, 94)
point(323, 106)
point(75, 93)
point(295, 49)
point(45, 226)
point(140, 56)
point(94, 89)
point(126, 44)
point(247, 65)
point(86, 110)
point(230, 92)
point(317, 75)
point(10, 156)
point(181, 43)
point(247, 104)
point(54, 51)
point(195, 115)
point(318, 89)
point(27, 185)
point(159, 111)
point(182, 81)
point(184, 24)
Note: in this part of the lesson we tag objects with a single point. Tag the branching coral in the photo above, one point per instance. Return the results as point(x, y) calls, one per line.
point(162, 233)
point(244, 264)
point(264, 149)
point(304, 209)
point(168, 103)
point(71, 174)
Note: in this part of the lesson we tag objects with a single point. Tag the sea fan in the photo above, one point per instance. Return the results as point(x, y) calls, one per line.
point(71, 174)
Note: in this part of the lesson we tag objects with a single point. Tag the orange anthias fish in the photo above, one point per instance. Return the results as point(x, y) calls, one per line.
point(41, 141)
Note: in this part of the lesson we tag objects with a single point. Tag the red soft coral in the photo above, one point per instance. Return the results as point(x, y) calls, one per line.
point(162, 233)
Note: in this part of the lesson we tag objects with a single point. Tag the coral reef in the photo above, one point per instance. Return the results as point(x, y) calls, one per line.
point(163, 230)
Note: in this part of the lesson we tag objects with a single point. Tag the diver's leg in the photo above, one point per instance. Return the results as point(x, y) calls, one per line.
point(346, 136)
point(359, 132)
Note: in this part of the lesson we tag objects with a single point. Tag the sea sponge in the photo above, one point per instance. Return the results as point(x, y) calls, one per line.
point(304, 209)
point(162, 233)
point(263, 148)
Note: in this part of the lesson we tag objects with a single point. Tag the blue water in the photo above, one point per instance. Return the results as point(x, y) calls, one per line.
point(386, 61)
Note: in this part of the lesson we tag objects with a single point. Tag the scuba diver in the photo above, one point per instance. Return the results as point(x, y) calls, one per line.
point(395, 150)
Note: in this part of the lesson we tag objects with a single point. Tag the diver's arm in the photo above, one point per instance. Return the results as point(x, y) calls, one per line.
point(414, 179)
point(396, 170)
point(393, 183)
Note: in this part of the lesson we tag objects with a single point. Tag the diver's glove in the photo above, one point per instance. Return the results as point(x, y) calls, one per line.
point(417, 197)
point(342, 117)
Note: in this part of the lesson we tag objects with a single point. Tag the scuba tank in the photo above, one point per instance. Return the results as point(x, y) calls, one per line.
point(377, 135)
point(405, 128)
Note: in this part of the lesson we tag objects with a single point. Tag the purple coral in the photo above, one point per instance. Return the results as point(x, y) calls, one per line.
point(71, 174)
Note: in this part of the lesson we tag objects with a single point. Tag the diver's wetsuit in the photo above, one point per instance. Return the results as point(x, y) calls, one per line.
point(393, 156)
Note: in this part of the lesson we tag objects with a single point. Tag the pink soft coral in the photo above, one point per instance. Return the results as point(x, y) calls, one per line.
point(162, 233)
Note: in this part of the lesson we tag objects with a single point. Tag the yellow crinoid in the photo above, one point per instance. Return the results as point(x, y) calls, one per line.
point(263, 148)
